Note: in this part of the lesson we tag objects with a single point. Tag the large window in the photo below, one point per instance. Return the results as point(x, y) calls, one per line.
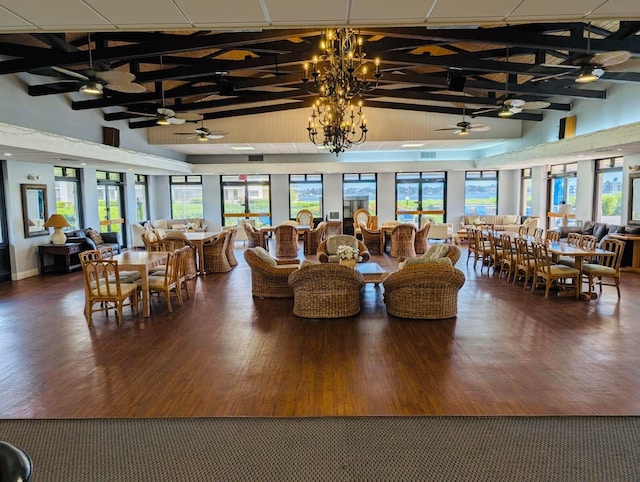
point(563, 184)
point(142, 198)
point(608, 199)
point(305, 192)
point(68, 195)
point(246, 197)
point(186, 197)
point(420, 194)
point(481, 193)
point(359, 191)
point(526, 189)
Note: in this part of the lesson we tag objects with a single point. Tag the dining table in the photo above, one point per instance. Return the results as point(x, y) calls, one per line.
point(141, 261)
point(199, 239)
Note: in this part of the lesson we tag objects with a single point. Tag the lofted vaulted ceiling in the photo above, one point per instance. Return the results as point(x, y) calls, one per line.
point(223, 75)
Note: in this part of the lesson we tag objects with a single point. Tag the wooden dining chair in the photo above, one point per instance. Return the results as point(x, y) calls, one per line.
point(606, 266)
point(508, 258)
point(167, 283)
point(549, 273)
point(103, 286)
point(552, 236)
point(538, 233)
point(525, 265)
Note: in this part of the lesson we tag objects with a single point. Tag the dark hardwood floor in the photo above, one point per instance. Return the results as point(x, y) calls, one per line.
point(224, 353)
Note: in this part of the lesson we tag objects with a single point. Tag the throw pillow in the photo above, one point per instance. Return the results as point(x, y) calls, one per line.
point(587, 227)
point(264, 256)
point(180, 227)
point(510, 218)
point(306, 262)
point(95, 237)
point(414, 261)
point(600, 230)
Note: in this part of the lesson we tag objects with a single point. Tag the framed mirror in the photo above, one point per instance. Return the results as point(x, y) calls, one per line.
point(34, 209)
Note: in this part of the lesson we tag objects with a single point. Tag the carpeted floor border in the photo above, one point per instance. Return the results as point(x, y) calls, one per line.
point(332, 448)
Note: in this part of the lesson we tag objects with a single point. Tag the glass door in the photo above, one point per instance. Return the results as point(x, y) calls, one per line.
point(5, 261)
point(111, 204)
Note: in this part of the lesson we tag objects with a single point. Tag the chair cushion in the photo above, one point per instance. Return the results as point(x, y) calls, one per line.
point(436, 251)
point(412, 261)
point(265, 256)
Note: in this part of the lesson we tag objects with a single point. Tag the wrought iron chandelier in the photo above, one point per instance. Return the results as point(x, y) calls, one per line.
point(340, 78)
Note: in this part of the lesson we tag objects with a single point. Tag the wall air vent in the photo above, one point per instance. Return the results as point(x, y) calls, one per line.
point(256, 158)
point(427, 155)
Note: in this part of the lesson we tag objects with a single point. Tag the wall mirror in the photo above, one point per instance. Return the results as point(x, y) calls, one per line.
point(34, 209)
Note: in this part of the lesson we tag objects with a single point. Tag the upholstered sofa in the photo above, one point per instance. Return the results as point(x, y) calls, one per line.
point(426, 290)
point(501, 222)
point(329, 247)
point(196, 224)
point(82, 236)
point(326, 290)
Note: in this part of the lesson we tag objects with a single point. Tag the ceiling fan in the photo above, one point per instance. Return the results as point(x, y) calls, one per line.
point(92, 82)
point(463, 128)
point(203, 134)
point(165, 116)
point(591, 67)
point(507, 107)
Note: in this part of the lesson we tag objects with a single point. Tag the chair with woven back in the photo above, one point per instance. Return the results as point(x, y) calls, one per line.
point(421, 244)
point(606, 266)
point(305, 218)
point(103, 286)
point(315, 237)
point(286, 241)
point(269, 276)
point(215, 254)
point(168, 281)
point(360, 216)
point(403, 238)
point(371, 239)
point(549, 273)
point(254, 236)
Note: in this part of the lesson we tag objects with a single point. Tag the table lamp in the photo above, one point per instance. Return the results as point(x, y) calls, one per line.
point(565, 210)
point(57, 222)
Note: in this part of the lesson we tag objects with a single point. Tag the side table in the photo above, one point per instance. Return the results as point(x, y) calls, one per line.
point(65, 257)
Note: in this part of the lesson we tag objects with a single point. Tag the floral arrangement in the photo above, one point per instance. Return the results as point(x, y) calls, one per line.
point(191, 226)
point(347, 252)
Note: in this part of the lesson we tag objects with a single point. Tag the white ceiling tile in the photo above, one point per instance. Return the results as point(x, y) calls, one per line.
point(617, 9)
point(329, 12)
point(465, 10)
point(208, 12)
point(10, 21)
point(126, 13)
point(564, 9)
point(71, 14)
point(380, 11)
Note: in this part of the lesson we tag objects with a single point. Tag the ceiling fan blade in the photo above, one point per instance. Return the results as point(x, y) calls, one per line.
point(485, 110)
point(215, 136)
point(175, 121)
point(632, 65)
point(116, 76)
point(189, 116)
point(448, 129)
point(183, 134)
point(478, 127)
point(142, 114)
point(536, 104)
point(560, 66)
point(608, 59)
point(165, 111)
point(127, 88)
point(70, 73)
point(517, 103)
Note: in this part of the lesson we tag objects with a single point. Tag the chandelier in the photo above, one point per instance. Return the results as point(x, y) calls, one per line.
point(339, 78)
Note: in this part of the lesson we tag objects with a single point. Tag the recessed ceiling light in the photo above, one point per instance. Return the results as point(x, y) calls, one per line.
point(83, 163)
point(412, 145)
point(7, 154)
point(242, 148)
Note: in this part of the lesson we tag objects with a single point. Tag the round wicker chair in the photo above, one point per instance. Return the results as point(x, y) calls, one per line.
point(423, 291)
point(268, 278)
point(326, 290)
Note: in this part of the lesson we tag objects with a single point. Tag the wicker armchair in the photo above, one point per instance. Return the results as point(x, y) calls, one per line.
point(360, 216)
point(286, 241)
point(215, 254)
point(403, 238)
point(329, 247)
point(305, 217)
point(326, 290)
point(314, 237)
point(420, 243)
point(268, 278)
point(423, 291)
point(253, 235)
point(371, 239)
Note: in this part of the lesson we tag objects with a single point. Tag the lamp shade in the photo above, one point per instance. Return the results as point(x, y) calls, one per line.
point(57, 222)
point(565, 209)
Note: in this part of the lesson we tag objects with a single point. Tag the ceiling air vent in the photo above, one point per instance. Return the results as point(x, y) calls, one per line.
point(427, 155)
point(256, 158)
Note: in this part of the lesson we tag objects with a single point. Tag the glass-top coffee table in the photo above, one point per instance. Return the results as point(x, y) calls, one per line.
point(372, 272)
